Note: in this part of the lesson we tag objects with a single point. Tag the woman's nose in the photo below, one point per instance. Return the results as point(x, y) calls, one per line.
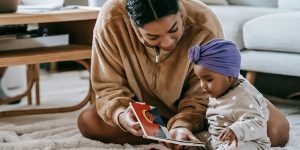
point(167, 42)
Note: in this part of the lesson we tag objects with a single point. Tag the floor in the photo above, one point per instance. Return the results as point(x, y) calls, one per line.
point(56, 90)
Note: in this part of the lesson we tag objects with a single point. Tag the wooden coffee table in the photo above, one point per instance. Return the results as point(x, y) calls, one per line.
point(78, 23)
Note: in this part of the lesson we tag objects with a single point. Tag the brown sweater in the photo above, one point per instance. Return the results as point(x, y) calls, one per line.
point(124, 67)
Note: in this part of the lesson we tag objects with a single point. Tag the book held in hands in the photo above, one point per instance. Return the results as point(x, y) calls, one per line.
point(153, 126)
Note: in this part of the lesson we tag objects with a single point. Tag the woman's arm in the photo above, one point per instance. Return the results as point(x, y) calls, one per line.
point(107, 74)
point(192, 107)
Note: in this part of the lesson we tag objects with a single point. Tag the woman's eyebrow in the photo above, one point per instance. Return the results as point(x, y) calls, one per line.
point(175, 23)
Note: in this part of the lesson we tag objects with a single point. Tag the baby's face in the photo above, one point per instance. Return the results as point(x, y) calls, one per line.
point(213, 83)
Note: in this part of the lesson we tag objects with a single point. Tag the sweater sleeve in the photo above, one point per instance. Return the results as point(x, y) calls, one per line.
point(251, 123)
point(192, 107)
point(108, 76)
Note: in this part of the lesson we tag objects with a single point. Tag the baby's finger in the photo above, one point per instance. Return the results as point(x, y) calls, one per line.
point(221, 136)
point(236, 142)
point(226, 136)
point(230, 142)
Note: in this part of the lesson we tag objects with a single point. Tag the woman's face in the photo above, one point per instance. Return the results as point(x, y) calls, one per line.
point(213, 83)
point(163, 33)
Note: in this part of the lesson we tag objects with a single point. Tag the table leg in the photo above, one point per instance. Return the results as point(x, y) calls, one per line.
point(37, 83)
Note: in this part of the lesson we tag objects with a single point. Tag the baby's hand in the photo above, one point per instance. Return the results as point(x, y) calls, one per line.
point(229, 135)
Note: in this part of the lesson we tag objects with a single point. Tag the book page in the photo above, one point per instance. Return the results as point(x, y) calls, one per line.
point(178, 142)
point(153, 126)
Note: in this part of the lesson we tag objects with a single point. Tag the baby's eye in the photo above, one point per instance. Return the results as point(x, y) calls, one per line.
point(209, 80)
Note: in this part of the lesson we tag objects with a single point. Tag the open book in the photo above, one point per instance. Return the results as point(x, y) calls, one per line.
point(153, 126)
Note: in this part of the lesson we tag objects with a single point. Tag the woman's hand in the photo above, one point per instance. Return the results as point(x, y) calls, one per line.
point(129, 122)
point(228, 135)
point(180, 133)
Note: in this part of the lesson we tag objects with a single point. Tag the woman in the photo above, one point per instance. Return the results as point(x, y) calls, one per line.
point(140, 53)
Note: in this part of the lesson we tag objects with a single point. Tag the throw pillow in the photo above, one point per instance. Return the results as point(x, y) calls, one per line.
point(262, 3)
point(215, 2)
point(289, 4)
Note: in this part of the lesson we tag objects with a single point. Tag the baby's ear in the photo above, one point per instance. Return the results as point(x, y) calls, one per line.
point(230, 79)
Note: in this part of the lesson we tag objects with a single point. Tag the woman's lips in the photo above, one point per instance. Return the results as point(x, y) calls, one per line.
point(168, 48)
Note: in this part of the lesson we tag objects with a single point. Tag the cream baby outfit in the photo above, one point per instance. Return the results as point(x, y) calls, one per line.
point(243, 110)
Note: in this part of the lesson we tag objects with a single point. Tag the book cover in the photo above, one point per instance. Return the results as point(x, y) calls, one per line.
point(153, 126)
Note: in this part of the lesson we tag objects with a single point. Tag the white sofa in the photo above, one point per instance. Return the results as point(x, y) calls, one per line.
point(266, 31)
point(92, 3)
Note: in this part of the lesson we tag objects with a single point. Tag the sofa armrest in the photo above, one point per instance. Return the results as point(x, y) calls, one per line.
point(276, 32)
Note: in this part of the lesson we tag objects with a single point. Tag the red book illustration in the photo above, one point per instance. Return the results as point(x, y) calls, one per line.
point(153, 126)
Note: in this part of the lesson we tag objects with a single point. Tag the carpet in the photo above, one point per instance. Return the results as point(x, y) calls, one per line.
point(59, 131)
point(54, 134)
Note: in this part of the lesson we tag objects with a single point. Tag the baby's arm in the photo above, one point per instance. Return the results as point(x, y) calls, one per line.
point(228, 134)
point(250, 121)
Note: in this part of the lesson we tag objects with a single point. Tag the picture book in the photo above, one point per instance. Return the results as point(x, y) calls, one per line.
point(153, 125)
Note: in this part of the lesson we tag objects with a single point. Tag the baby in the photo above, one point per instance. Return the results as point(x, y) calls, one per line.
point(237, 112)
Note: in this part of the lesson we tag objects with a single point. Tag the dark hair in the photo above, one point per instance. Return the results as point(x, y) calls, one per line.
point(145, 11)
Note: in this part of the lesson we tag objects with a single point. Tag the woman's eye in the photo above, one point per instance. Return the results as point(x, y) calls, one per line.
point(174, 30)
point(153, 38)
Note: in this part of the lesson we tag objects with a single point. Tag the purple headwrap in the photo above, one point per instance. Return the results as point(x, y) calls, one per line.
point(217, 55)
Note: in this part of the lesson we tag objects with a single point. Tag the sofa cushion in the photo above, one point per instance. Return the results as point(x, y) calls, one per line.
point(289, 4)
point(276, 32)
point(76, 2)
point(215, 2)
point(271, 62)
point(234, 17)
point(261, 3)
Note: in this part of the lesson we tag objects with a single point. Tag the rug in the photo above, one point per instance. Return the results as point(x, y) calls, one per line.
point(60, 132)
point(63, 134)
point(56, 134)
